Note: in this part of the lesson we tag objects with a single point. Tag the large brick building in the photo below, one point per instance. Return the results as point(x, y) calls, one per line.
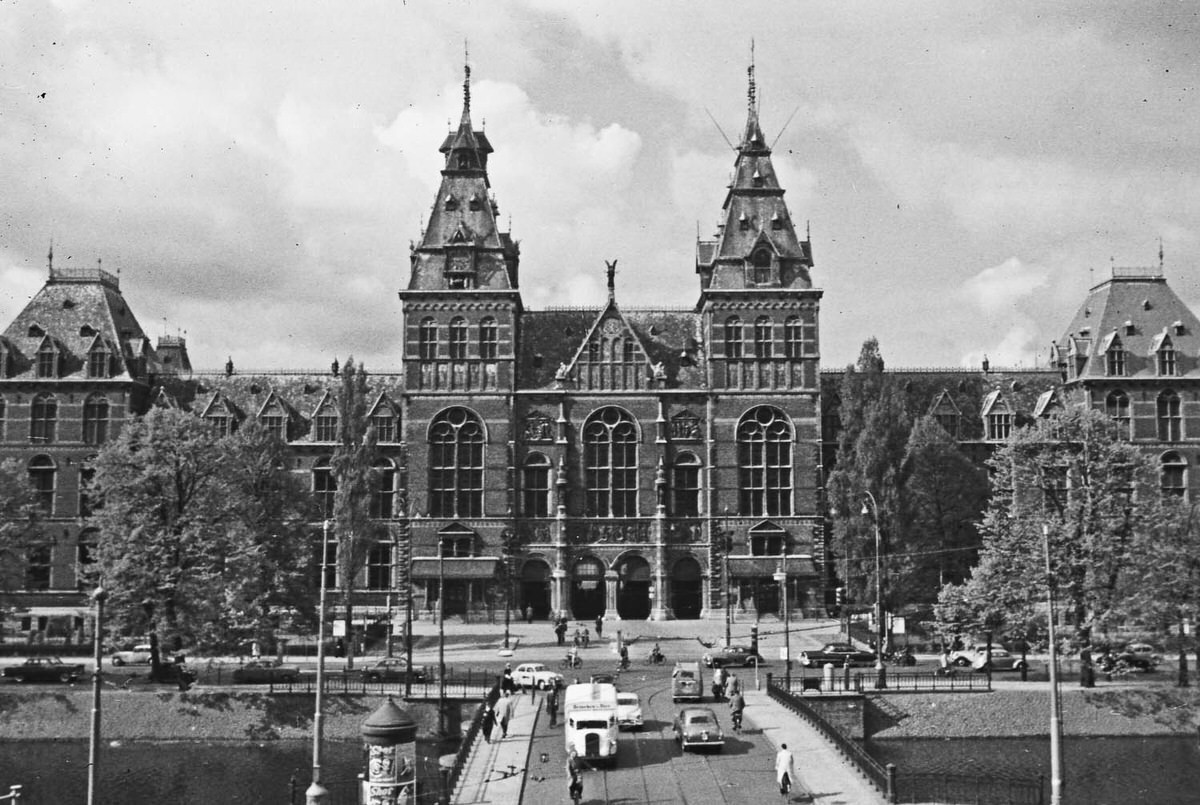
point(605, 461)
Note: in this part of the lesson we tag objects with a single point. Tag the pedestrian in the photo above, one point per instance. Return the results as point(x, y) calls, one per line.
point(574, 778)
point(587, 637)
point(599, 626)
point(718, 683)
point(528, 614)
point(737, 703)
point(578, 637)
point(560, 631)
point(488, 723)
point(507, 684)
point(785, 769)
point(552, 705)
point(508, 703)
point(624, 652)
point(732, 685)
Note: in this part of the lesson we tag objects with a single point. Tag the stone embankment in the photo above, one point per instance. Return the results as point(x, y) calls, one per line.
point(1013, 711)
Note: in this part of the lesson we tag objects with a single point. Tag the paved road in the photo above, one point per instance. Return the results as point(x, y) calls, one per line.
point(650, 766)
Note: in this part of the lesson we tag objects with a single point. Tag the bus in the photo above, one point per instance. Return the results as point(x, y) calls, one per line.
point(590, 722)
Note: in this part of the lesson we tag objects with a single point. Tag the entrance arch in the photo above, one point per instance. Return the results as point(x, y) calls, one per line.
point(633, 588)
point(587, 588)
point(535, 588)
point(686, 589)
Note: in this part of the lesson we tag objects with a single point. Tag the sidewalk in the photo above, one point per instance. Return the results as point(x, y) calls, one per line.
point(495, 772)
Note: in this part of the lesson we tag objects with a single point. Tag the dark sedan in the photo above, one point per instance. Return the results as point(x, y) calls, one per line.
point(262, 672)
point(44, 669)
point(741, 656)
point(838, 654)
point(392, 669)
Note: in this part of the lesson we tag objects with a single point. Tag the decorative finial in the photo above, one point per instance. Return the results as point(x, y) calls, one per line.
point(467, 79)
point(1160, 254)
point(50, 256)
point(612, 282)
point(750, 75)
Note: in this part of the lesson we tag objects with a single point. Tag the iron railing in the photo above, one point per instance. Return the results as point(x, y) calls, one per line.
point(844, 680)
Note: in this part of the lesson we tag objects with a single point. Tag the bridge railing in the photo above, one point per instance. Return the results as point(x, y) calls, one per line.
point(846, 680)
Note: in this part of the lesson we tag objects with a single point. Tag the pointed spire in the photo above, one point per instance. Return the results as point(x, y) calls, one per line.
point(1160, 254)
point(466, 81)
point(750, 74)
point(612, 281)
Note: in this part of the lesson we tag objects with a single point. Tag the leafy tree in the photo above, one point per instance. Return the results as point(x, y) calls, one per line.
point(1070, 483)
point(944, 494)
point(20, 522)
point(871, 449)
point(353, 471)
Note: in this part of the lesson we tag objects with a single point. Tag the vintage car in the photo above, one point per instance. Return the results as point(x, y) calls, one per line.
point(138, 655)
point(535, 674)
point(838, 654)
point(262, 672)
point(604, 679)
point(44, 669)
point(977, 657)
point(742, 656)
point(392, 669)
point(697, 728)
point(629, 711)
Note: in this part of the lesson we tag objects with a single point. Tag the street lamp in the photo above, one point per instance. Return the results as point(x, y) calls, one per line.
point(441, 616)
point(727, 546)
point(880, 625)
point(98, 596)
point(781, 578)
point(317, 793)
point(1055, 705)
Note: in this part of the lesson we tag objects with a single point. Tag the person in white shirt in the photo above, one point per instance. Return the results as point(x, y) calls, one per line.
point(785, 769)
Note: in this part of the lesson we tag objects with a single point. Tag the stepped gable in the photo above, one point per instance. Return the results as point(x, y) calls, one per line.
point(79, 309)
point(1137, 311)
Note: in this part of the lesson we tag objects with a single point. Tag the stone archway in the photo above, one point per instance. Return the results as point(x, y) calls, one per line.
point(633, 588)
point(687, 589)
point(587, 588)
point(535, 588)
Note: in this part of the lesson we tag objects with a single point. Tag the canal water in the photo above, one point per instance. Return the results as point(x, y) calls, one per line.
point(1164, 770)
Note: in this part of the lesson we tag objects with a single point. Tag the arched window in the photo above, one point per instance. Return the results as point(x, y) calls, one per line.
point(764, 337)
point(427, 336)
point(764, 441)
point(535, 489)
point(458, 338)
point(95, 419)
point(43, 418)
point(1170, 424)
point(733, 337)
point(610, 464)
point(383, 490)
point(456, 464)
point(1116, 405)
point(488, 339)
point(1114, 363)
point(324, 486)
point(1173, 474)
point(1166, 359)
point(628, 351)
point(42, 474)
point(685, 486)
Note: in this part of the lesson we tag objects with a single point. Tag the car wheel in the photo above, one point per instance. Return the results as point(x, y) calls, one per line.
point(961, 662)
point(1020, 664)
point(373, 677)
point(541, 684)
point(118, 662)
point(19, 678)
point(65, 677)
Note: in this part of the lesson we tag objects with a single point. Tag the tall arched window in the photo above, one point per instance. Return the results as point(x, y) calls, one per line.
point(488, 339)
point(610, 463)
point(733, 337)
point(456, 464)
point(764, 440)
point(764, 337)
point(95, 419)
point(535, 489)
point(685, 486)
point(1170, 423)
point(458, 338)
point(42, 474)
point(1173, 475)
point(1116, 405)
point(427, 336)
point(324, 486)
point(43, 417)
point(383, 490)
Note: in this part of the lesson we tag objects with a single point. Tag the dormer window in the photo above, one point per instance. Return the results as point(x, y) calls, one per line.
point(1166, 359)
point(87, 331)
point(1129, 328)
point(1114, 358)
point(98, 362)
point(36, 332)
point(776, 222)
point(451, 203)
point(743, 223)
point(47, 360)
point(325, 424)
point(762, 267)
point(475, 203)
point(757, 178)
point(1178, 327)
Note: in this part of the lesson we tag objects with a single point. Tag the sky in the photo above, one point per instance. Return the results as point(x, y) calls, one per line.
point(256, 172)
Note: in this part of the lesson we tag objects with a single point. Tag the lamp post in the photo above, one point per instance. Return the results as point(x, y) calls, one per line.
point(880, 624)
point(727, 546)
point(441, 616)
point(98, 596)
point(317, 793)
point(1056, 778)
point(781, 578)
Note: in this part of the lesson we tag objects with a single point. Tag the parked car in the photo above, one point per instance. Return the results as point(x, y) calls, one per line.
point(697, 728)
point(261, 672)
point(1144, 651)
point(1142, 658)
point(138, 655)
point(392, 669)
point(838, 654)
point(741, 656)
point(44, 669)
point(629, 711)
point(977, 657)
point(604, 679)
point(535, 674)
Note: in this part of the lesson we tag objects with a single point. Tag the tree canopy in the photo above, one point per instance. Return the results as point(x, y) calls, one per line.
point(21, 519)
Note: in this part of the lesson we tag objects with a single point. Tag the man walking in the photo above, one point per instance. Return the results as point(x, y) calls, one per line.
point(507, 706)
point(732, 685)
point(560, 630)
point(737, 703)
point(718, 683)
point(599, 625)
point(785, 769)
point(488, 723)
point(552, 705)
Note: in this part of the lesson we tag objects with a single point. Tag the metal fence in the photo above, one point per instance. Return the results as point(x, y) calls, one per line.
point(845, 680)
point(471, 684)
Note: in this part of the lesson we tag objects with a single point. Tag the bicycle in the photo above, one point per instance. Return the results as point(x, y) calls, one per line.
point(656, 659)
point(736, 718)
point(570, 662)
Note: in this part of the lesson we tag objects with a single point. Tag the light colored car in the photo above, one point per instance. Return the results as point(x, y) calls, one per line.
point(265, 672)
point(629, 711)
point(697, 728)
point(977, 657)
point(138, 655)
point(536, 675)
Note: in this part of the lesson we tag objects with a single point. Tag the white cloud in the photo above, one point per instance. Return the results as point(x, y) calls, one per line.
point(1000, 288)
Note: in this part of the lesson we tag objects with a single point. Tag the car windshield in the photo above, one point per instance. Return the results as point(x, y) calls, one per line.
point(686, 675)
point(627, 699)
point(533, 668)
point(701, 719)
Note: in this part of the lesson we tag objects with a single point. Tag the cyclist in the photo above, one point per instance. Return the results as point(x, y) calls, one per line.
point(624, 663)
point(656, 655)
point(574, 778)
